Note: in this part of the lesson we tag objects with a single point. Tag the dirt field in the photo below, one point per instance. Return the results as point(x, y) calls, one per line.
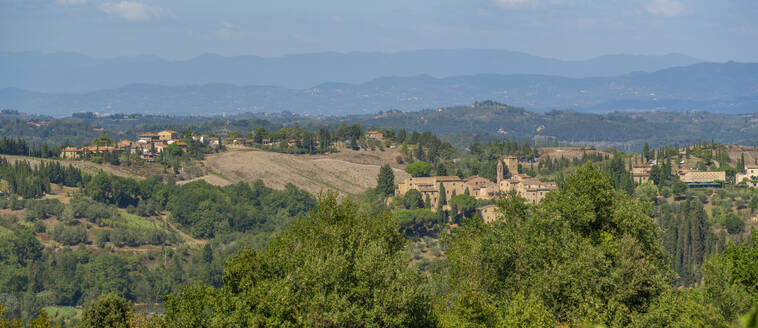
point(567, 153)
point(347, 172)
point(750, 152)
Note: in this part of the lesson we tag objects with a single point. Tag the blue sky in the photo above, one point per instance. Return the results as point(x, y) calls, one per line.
point(179, 29)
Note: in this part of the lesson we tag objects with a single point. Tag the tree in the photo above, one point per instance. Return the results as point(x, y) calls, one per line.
point(646, 152)
point(109, 310)
point(587, 253)
point(361, 278)
point(441, 170)
point(465, 204)
point(418, 169)
point(385, 182)
point(103, 140)
point(679, 188)
point(412, 199)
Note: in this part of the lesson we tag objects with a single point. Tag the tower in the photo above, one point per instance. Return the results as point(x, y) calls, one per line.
point(499, 171)
point(512, 163)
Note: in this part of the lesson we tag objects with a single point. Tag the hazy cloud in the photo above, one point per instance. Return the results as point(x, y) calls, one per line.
point(70, 2)
point(666, 8)
point(228, 32)
point(513, 4)
point(134, 11)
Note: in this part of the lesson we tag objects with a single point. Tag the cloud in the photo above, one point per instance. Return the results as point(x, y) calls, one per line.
point(513, 4)
point(70, 2)
point(228, 32)
point(134, 11)
point(666, 8)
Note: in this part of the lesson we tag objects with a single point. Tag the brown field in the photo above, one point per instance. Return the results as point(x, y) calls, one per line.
point(347, 172)
point(750, 152)
point(567, 152)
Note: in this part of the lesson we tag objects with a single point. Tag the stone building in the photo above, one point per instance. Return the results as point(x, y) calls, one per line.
point(488, 213)
point(641, 173)
point(531, 189)
point(167, 135)
point(749, 176)
point(374, 135)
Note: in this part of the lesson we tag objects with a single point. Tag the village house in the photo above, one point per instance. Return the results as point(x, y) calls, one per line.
point(149, 137)
point(214, 141)
point(488, 213)
point(71, 153)
point(167, 135)
point(749, 176)
point(531, 189)
point(641, 173)
point(124, 144)
point(374, 135)
point(481, 188)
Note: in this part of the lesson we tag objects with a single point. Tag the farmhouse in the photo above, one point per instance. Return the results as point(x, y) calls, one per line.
point(71, 152)
point(641, 173)
point(167, 135)
point(749, 176)
point(149, 137)
point(374, 135)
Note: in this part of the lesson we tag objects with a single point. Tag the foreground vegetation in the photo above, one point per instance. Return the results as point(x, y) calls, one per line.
point(588, 254)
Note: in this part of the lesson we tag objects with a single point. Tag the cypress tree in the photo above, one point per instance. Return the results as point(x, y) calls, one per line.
point(385, 182)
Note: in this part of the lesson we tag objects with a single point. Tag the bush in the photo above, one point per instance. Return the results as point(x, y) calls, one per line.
point(69, 235)
point(39, 227)
point(734, 224)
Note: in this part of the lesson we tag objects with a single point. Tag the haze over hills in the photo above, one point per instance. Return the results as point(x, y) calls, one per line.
point(720, 88)
point(71, 72)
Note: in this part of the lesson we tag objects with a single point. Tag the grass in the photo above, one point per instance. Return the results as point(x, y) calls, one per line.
point(131, 221)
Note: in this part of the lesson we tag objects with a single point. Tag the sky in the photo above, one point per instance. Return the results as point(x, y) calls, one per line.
point(714, 30)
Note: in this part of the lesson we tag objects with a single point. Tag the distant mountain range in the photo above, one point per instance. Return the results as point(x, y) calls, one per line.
point(719, 88)
point(70, 72)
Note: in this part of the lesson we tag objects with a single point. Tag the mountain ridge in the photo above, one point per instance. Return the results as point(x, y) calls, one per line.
point(73, 72)
point(720, 88)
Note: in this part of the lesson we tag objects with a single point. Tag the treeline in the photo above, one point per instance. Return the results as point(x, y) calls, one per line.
point(32, 181)
point(19, 146)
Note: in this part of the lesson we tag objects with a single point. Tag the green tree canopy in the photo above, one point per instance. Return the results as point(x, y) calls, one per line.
point(585, 254)
point(385, 182)
point(109, 310)
point(418, 169)
point(337, 267)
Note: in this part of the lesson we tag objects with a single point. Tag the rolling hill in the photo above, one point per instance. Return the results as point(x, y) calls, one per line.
point(720, 88)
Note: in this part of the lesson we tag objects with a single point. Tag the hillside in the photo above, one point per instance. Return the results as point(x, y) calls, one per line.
point(489, 121)
point(347, 172)
point(720, 88)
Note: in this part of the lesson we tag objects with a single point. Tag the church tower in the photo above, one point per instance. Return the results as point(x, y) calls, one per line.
point(499, 171)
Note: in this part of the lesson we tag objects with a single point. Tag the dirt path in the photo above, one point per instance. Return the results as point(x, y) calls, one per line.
point(311, 173)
